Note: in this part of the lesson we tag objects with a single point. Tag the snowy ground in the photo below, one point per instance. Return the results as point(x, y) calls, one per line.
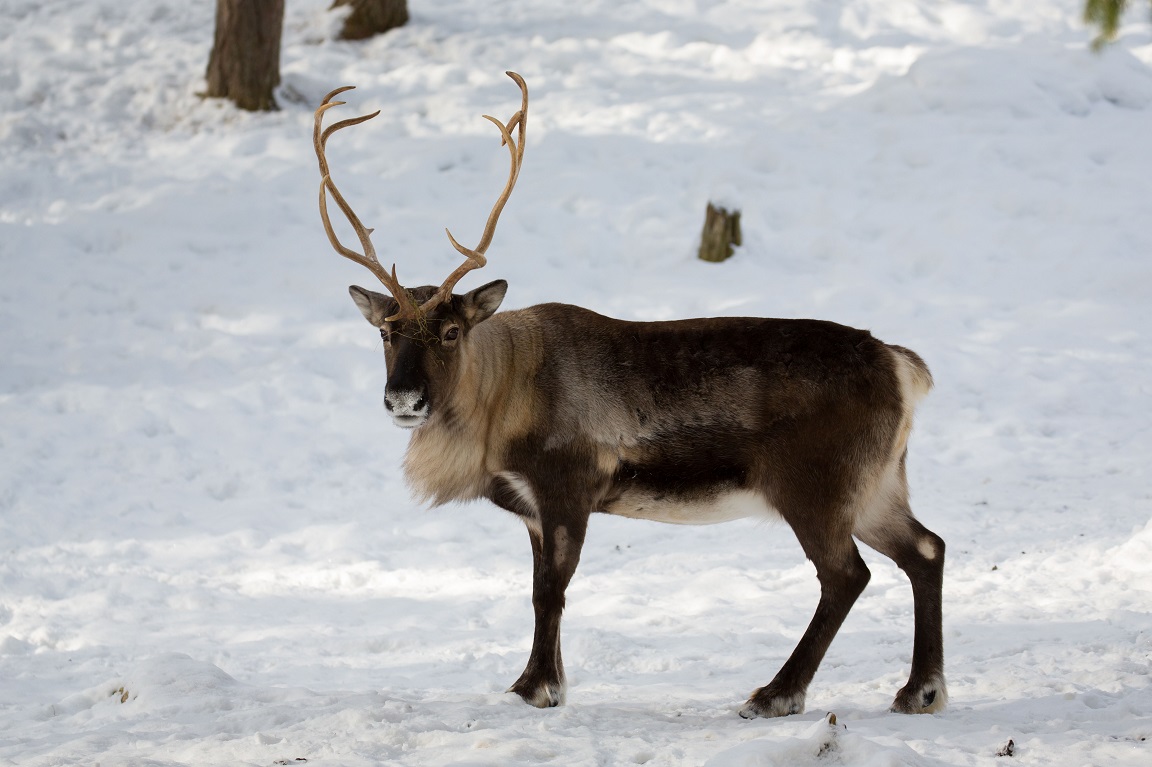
point(208, 556)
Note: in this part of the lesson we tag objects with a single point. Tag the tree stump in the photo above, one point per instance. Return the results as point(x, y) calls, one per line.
point(721, 234)
point(372, 17)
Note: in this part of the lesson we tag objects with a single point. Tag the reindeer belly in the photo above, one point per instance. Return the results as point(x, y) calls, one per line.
point(706, 507)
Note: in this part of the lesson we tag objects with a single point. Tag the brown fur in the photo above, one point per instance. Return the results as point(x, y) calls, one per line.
point(554, 412)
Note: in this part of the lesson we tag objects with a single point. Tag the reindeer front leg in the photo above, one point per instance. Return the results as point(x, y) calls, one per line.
point(555, 554)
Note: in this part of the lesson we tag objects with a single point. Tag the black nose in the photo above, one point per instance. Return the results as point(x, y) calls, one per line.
point(420, 403)
point(387, 404)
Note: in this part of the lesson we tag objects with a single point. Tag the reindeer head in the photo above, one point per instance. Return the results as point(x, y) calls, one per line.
point(422, 352)
point(423, 328)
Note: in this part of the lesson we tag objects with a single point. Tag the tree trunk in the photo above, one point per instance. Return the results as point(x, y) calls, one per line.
point(721, 233)
point(245, 62)
point(371, 17)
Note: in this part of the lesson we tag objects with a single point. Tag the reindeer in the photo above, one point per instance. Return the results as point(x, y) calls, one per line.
point(554, 412)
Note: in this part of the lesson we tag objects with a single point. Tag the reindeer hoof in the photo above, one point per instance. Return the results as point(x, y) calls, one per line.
point(928, 698)
point(540, 694)
point(765, 703)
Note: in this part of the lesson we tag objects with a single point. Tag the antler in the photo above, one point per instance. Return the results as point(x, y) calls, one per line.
point(474, 257)
point(366, 259)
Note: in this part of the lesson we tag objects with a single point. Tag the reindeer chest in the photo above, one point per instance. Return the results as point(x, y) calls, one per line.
point(444, 465)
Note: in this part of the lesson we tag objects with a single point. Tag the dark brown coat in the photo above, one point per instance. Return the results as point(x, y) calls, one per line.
point(554, 412)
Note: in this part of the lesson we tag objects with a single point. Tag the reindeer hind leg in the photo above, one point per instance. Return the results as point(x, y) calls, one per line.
point(843, 576)
point(919, 552)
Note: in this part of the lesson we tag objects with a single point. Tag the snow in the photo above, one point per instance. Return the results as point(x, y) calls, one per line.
point(209, 556)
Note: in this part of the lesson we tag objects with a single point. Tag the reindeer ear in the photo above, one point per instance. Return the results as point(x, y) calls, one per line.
point(483, 302)
point(374, 306)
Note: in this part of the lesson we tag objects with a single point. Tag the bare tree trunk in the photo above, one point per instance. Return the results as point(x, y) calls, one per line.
point(372, 17)
point(245, 62)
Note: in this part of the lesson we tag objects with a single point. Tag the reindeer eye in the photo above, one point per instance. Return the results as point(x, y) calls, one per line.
point(384, 335)
point(452, 334)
